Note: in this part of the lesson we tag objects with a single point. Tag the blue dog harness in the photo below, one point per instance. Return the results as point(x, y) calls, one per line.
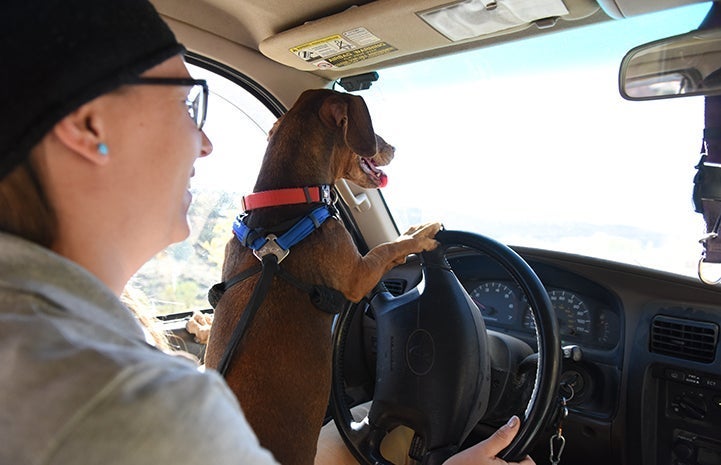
point(271, 249)
point(280, 246)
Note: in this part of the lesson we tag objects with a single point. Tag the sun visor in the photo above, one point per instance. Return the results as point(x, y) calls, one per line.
point(367, 34)
point(619, 9)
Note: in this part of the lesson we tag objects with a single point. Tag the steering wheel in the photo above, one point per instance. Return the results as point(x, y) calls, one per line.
point(439, 372)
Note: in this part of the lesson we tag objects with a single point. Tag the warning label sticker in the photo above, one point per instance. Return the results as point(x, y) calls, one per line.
point(344, 49)
point(361, 36)
point(360, 54)
point(322, 48)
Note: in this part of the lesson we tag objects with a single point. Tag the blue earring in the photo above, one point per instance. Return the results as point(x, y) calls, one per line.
point(103, 149)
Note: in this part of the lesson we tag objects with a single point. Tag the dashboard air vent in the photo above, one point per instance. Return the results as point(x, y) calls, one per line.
point(687, 339)
point(395, 286)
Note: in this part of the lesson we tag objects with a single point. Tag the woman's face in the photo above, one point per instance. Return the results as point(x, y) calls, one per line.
point(157, 143)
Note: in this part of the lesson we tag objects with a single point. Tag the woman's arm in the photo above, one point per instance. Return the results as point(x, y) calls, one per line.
point(332, 450)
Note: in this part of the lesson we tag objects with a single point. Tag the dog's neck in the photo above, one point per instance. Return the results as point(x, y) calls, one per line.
point(288, 196)
point(276, 209)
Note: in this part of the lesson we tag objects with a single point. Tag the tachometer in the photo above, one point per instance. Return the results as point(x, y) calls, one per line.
point(573, 315)
point(496, 300)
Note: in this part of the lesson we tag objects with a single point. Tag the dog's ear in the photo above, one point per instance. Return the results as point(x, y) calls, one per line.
point(351, 113)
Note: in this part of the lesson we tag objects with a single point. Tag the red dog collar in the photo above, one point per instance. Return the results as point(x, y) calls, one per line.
point(290, 196)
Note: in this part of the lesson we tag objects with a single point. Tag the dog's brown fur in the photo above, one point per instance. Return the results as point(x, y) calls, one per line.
point(281, 372)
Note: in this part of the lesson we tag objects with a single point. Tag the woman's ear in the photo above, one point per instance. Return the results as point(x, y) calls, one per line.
point(82, 132)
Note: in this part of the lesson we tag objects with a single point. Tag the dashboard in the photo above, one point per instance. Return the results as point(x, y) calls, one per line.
point(626, 389)
point(582, 319)
point(589, 315)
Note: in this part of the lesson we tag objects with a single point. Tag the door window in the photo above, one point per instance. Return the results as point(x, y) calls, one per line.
point(178, 279)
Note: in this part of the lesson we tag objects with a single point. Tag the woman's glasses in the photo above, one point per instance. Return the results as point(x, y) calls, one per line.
point(197, 101)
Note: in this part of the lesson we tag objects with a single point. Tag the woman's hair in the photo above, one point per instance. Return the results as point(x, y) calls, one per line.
point(24, 208)
point(139, 303)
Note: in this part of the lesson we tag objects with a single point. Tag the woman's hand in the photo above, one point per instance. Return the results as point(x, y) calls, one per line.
point(484, 453)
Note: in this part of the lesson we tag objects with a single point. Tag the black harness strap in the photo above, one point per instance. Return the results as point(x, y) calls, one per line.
point(217, 291)
point(326, 299)
point(270, 268)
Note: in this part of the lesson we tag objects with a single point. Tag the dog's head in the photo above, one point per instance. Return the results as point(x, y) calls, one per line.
point(358, 152)
point(365, 171)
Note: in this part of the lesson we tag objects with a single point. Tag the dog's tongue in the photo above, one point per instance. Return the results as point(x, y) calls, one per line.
point(378, 176)
point(383, 180)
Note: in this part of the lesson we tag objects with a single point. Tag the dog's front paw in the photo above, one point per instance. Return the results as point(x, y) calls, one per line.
point(423, 236)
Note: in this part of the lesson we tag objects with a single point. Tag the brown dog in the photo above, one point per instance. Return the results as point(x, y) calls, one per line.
point(281, 371)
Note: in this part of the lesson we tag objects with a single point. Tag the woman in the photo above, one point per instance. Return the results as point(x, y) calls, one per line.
point(101, 126)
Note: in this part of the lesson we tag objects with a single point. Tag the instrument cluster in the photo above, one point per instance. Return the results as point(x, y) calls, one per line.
point(581, 318)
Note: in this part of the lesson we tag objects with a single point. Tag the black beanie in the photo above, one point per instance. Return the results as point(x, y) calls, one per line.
point(59, 54)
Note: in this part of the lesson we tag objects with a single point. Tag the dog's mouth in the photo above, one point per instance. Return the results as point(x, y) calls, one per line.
point(377, 176)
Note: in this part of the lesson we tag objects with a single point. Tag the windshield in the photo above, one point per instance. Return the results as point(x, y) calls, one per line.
point(530, 143)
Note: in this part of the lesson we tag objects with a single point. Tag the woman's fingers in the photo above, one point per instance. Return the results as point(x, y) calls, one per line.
point(484, 453)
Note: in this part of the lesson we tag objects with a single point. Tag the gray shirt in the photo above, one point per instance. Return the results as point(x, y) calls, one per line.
point(79, 384)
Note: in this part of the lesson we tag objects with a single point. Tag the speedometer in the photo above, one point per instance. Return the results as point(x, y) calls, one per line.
point(496, 300)
point(573, 315)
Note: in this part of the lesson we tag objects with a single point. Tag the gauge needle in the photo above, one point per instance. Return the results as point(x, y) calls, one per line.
point(485, 309)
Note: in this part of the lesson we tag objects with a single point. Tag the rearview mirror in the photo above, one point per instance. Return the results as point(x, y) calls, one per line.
point(680, 66)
